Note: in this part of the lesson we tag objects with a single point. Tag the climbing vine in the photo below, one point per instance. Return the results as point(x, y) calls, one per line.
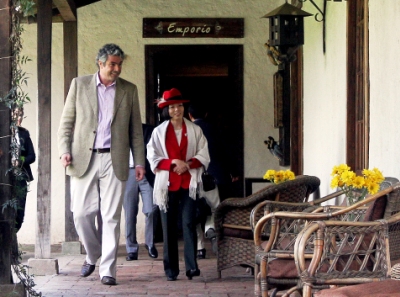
point(16, 98)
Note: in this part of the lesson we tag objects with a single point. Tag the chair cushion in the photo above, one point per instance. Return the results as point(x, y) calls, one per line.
point(283, 268)
point(238, 233)
point(384, 288)
point(375, 210)
point(286, 268)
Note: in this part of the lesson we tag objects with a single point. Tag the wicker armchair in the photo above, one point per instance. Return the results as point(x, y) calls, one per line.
point(274, 260)
point(346, 253)
point(232, 219)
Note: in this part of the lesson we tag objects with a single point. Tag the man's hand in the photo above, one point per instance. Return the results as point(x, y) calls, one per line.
point(66, 159)
point(140, 171)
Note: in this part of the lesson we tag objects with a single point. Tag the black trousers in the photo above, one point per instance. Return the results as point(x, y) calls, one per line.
point(21, 192)
point(169, 222)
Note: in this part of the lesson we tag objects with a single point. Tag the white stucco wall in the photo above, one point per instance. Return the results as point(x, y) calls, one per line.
point(384, 86)
point(121, 22)
point(325, 90)
point(325, 93)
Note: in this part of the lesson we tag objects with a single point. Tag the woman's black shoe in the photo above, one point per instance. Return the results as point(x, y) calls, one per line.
point(192, 272)
point(201, 254)
point(171, 278)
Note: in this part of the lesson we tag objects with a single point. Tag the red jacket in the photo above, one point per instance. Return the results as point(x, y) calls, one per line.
point(176, 151)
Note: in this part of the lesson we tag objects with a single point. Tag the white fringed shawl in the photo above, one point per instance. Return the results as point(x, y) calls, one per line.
point(156, 151)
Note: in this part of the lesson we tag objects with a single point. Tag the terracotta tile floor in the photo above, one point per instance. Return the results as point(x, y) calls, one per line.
point(144, 277)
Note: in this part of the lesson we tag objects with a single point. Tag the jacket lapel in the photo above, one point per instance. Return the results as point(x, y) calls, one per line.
point(119, 96)
point(91, 93)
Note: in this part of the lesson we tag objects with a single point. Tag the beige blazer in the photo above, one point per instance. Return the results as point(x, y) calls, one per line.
point(78, 126)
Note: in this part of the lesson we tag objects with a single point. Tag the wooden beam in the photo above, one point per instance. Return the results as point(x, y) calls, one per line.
point(284, 132)
point(63, 10)
point(296, 122)
point(70, 71)
point(67, 9)
point(5, 161)
point(351, 153)
point(44, 31)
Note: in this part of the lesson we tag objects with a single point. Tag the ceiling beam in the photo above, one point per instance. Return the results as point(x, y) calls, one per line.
point(67, 9)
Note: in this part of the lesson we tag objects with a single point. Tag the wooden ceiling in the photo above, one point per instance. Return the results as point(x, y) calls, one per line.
point(65, 10)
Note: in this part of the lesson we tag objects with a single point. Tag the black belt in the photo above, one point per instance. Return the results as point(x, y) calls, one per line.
point(101, 150)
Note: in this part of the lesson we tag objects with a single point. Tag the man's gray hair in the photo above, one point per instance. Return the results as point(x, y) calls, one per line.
point(109, 49)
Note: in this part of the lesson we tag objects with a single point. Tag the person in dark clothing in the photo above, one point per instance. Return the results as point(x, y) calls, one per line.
point(220, 168)
point(131, 205)
point(25, 157)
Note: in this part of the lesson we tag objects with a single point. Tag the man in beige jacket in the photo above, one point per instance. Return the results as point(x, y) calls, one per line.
point(99, 125)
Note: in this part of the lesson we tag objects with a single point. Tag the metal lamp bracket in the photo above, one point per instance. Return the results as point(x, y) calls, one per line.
point(320, 17)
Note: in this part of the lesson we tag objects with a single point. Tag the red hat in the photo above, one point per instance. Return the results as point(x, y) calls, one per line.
point(170, 97)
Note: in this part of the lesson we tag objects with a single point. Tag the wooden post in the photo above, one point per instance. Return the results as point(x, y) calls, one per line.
point(296, 122)
point(70, 71)
point(284, 132)
point(44, 23)
point(5, 160)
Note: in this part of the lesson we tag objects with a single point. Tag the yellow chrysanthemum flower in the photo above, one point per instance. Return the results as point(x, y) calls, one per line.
point(340, 169)
point(358, 182)
point(279, 176)
point(378, 174)
point(347, 177)
point(269, 174)
point(289, 175)
point(335, 182)
point(373, 188)
point(347, 180)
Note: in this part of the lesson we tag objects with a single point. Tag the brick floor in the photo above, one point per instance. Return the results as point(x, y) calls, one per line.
point(144, 277)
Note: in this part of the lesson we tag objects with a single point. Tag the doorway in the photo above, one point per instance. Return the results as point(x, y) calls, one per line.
point(210, 75)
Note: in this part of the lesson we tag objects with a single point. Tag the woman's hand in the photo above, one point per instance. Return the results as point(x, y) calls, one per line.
point(180, 166)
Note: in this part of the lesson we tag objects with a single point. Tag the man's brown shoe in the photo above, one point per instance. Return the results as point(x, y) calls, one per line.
point(108, 281)
point(87, 269)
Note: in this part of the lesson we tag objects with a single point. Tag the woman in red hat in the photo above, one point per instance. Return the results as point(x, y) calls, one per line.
point(177, 152)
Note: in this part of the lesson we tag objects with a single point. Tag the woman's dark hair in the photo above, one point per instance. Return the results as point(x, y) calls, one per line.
point(165, 114)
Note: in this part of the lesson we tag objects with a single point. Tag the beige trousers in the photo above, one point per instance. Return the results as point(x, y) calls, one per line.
point(212, 200)
point(98, 192)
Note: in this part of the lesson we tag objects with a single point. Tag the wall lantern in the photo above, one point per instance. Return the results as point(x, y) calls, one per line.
point(286, 25)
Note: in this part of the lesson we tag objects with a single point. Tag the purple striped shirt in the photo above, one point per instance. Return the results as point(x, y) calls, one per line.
point(105, 101)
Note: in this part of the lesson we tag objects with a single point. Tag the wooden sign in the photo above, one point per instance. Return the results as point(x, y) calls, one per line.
point(190, 28)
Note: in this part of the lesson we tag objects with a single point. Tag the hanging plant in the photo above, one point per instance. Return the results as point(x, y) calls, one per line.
point(17, 98)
